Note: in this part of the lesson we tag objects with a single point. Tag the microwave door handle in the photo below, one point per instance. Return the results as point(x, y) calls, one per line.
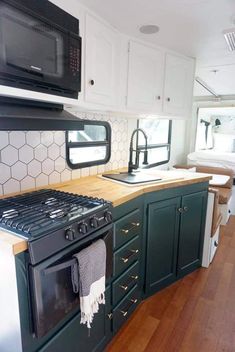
point(36, 73)
point(59, 267)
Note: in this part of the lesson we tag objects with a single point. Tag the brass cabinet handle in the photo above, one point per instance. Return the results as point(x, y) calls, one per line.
point(126, 286)
point(124, 312)
point(133, 252)
point(110, 316)
point(134, 224)
point(133, 301)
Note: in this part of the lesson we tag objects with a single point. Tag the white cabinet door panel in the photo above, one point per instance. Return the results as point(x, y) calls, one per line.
point(179, 74)
point(101, 65)
point(145, 78)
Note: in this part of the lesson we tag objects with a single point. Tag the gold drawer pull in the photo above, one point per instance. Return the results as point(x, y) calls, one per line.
point(124, 312)
point(134, 225)
point(133, 252)
point(125, 288)
point(134, 301)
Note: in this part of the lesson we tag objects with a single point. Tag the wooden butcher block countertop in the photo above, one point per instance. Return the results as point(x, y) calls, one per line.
point(114, 192)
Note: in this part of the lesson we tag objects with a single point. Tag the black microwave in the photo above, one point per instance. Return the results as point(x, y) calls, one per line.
point(40, 48)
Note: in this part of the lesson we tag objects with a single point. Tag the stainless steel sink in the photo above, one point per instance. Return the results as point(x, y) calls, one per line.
point(132, 178)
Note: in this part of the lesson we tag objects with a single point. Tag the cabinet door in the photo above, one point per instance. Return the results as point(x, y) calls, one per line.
point(101, 63)
point(162, 241)
point(178, 88)
point(191, 232)
point(145, 78)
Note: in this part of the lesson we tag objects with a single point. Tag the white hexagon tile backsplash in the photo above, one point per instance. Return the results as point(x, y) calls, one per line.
point(34, 159)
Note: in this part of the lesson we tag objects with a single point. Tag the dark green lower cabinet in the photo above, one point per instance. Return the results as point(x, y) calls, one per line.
point(162, 242)
point(191, 232)
point(75, 337)
point(175, 234)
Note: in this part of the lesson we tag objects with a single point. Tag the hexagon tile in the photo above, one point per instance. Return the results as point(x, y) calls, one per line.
point(34, 159)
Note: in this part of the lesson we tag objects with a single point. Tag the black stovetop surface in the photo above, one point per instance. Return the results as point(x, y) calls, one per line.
point(35, 214)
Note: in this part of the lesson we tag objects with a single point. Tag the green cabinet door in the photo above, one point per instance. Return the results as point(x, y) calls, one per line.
point(162, 241)
point(191, 235)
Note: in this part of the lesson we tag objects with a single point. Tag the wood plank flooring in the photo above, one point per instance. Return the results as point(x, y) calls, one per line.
point(196, 314)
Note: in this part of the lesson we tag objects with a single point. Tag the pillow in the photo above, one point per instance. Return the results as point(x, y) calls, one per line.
point(224, 143)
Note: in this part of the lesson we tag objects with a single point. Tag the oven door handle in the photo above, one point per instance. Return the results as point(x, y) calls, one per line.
point(59, 267)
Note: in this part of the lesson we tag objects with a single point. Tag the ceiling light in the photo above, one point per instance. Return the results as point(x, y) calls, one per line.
point(149, 29)
point(229, 35)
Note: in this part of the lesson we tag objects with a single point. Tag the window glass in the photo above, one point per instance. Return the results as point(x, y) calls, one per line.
point(156, 130)
point(159, 141)
point(91, 133)
point(87, 154)
point(90, 146)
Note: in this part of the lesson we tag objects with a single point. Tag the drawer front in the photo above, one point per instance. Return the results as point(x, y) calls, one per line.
point(125, 308)
point(126, 256)
point(126, 228)
point(125, 283)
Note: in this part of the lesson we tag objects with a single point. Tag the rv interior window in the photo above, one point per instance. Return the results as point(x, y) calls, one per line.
point(159, 140)
point(90, 146)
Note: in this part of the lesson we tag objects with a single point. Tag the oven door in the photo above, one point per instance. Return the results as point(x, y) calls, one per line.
point(35, 52)
point(52, 295)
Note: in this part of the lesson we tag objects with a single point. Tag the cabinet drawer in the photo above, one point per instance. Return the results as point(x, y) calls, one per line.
point(125, 283)
point(126, 256)
point(126, 228)
point(125, 308)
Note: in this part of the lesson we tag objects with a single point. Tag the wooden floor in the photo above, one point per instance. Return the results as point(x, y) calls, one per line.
point(196, 314)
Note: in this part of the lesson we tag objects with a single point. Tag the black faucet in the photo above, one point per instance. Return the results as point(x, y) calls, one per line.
point(135, 166)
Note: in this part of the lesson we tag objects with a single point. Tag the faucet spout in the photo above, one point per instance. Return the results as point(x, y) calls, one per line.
point(133, 166)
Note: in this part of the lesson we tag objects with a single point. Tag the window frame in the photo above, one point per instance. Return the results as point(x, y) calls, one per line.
point(156, 146)
point(106, 143)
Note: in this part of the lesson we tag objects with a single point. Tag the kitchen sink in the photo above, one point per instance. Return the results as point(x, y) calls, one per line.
point(132, 178)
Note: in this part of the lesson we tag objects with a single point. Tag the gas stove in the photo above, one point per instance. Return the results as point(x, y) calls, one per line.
point(51, 220)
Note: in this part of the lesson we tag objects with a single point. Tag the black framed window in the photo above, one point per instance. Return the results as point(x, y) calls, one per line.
point(89, 146)
point(159, 141)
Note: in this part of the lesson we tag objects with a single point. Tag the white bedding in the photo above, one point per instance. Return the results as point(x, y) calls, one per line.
point(213, 158)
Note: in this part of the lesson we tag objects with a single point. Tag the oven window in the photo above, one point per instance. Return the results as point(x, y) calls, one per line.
point(90, 146)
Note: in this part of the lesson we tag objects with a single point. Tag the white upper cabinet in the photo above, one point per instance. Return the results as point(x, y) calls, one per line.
point(101, 63)
point(145, 78)
point(159, 83)
point(178, 87)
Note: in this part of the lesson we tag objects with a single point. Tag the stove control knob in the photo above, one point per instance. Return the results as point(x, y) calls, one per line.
point(70, 234)
point(108, 217)
point(82, 228)
point(94, 222)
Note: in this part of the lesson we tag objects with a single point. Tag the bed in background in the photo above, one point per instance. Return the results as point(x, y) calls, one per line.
point(213, 158)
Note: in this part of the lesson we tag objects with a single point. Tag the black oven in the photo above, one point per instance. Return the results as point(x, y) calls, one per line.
point(52, 296)
point(40, 48)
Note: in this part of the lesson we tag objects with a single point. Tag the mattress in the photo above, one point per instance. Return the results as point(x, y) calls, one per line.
point(212, 158)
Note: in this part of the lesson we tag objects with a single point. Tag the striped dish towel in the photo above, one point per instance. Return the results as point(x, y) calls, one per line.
point(88, 278)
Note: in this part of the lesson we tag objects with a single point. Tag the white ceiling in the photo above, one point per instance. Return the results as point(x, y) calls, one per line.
point(191, 27)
